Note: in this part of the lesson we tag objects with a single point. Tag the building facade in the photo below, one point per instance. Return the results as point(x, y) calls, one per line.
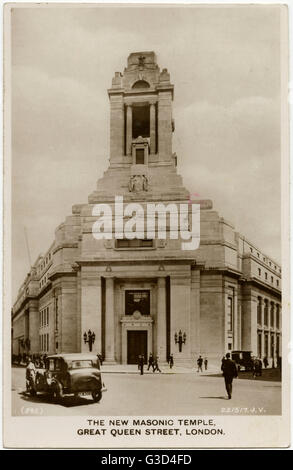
point(147, 295)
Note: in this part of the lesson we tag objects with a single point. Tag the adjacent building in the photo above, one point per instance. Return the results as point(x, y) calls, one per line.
point(148, 295)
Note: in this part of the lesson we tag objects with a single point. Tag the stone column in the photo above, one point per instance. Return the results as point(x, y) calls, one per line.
point(153, 128)
point(165, 125)
point(128, 129)
point(195, 313)
point(109, 321)
point(262, 331)
point(253, 324)
point(116, 128)
point(161, 319)
point(91, 310)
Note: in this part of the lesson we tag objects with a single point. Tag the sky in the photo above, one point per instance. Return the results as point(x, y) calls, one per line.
point(225, 65)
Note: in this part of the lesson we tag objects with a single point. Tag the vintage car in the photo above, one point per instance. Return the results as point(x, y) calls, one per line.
point(243, 359)
point(68, 374)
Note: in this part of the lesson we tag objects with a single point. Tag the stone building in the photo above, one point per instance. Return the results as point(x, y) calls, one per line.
point(144, 295)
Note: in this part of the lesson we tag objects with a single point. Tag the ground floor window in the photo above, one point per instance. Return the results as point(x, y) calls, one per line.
point(259, 344)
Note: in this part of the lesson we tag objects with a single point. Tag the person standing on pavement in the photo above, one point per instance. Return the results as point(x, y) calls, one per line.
point(156, 364)
point(199, 364)
point(171, 361)
point(205, 363)
point(230, 372)
point(151, 361)
point(141, 363)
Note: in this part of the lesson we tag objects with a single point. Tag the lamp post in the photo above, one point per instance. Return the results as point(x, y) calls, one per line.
point(89, 337)
point(180, 338)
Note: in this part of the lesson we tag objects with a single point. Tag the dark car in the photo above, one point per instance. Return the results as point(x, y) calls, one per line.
point(243, 359)
point(69, 374)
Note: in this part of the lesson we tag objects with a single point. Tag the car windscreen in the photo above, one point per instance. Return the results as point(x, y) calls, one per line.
point(83, 364)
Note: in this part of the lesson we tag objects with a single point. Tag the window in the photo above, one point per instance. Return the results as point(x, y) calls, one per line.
point(229, 346)
point(139, 156)
point(266, 275)
point(272, 346)
point(278, 316)
point(230, 314)
point(277, 282)
point(135, 243)
point(266, 312)
point(259, 305)
point(141, 84)
point(137, 300)
point(266, 345)
point(272, 279)
point(56, 314)
point(272, 319)
point(259, 344)
point(278, 346)
point(141, 121)
point(259, 271)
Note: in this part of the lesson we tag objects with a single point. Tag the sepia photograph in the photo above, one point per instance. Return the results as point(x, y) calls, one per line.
point(145, 190)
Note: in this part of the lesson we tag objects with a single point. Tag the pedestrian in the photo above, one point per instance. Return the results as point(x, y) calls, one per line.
point(100, 357)
point(230, 372)
point(141, 363)
point(156, 364)
point(257, 367)
point(265, 362)
point(205, 363)
point(199, 364)
point(171, 361)
point(151, 361)
point(30, 374)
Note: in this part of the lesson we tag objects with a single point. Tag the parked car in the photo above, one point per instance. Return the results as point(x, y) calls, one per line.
point(243, 359)
point(68, 374)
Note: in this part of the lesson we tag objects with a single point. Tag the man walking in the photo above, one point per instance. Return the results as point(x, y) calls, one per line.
point(156, 364)
point(171, 361)
point(199, 364)
point(230, 372)
point(151, 361)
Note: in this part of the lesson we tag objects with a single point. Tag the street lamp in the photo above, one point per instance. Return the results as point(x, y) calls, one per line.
point(89, 338)
point(180, 339)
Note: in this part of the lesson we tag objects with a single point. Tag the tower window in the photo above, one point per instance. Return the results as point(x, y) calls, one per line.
point(139, 156)
point(141, 121)
point(141, 84)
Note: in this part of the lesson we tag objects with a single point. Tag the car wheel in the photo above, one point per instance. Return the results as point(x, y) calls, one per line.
point(97, 396)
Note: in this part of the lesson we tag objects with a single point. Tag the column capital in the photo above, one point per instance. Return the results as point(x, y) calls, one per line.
point(161, 281)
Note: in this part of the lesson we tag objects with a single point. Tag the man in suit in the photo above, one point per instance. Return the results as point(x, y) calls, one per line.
point(141, 363)
point(230, 372)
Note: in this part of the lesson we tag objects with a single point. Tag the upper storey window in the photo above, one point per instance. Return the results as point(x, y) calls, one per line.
point(140, 84)
point(141, 121)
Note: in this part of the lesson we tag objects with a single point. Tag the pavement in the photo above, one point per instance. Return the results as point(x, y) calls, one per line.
point(165, 369)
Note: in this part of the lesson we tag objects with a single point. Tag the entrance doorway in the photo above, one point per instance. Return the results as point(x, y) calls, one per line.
point(136, 345)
